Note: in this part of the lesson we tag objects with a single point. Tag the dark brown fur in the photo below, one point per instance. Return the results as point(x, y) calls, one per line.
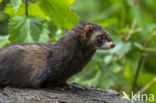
point(35, 65)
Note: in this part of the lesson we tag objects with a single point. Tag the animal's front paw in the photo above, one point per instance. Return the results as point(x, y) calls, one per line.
point(64, 86)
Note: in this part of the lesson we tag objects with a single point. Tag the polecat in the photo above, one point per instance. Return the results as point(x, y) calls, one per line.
point(35, 65)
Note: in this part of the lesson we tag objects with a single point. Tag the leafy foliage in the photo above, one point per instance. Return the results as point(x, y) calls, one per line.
point(11, 11)
point(23, 29)
point(34, 26)
point(32, 10)
point(59, 12)
point(3, 39)
point(131, 24)
point(16, 4)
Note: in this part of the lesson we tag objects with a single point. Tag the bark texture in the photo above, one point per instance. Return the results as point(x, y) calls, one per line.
point(75, 94)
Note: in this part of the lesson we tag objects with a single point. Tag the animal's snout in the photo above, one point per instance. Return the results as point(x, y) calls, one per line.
point(112, 45)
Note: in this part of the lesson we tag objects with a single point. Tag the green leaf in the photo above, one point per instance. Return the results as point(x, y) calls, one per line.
point(10, 11)
point(59, 12)
point(44, 37)
point(121, 49)
point(16, 4)
point(138, 46)
point(21, 11)
point(69, 3)
point(3, 39)
point(0, 1)
point(26, 29)
point(36, 7)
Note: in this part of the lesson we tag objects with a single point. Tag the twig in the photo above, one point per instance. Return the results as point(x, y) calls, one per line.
point(141, 61)
point(150, 50)
point(149, 39)
point(147, 86)
point(26, 8)
point(132, 31)
point(137, 72)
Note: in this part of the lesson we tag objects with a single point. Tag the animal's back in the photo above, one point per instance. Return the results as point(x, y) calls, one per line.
point(22, 65)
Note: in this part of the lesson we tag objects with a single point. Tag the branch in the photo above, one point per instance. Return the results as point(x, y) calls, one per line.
point(75, 94)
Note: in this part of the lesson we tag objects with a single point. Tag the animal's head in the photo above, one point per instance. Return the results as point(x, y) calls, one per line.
point(96, 36)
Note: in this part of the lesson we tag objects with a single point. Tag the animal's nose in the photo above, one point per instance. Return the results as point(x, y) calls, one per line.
point(112, 45)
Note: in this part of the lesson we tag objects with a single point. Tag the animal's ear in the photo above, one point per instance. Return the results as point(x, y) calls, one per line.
point(88, 29)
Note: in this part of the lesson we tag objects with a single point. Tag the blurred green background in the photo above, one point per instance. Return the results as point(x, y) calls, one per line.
point(130, 66)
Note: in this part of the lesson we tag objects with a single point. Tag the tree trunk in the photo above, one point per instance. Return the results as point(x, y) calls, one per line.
point(75, 94)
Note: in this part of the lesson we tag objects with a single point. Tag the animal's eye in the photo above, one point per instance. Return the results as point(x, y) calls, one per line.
point(100, 37)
